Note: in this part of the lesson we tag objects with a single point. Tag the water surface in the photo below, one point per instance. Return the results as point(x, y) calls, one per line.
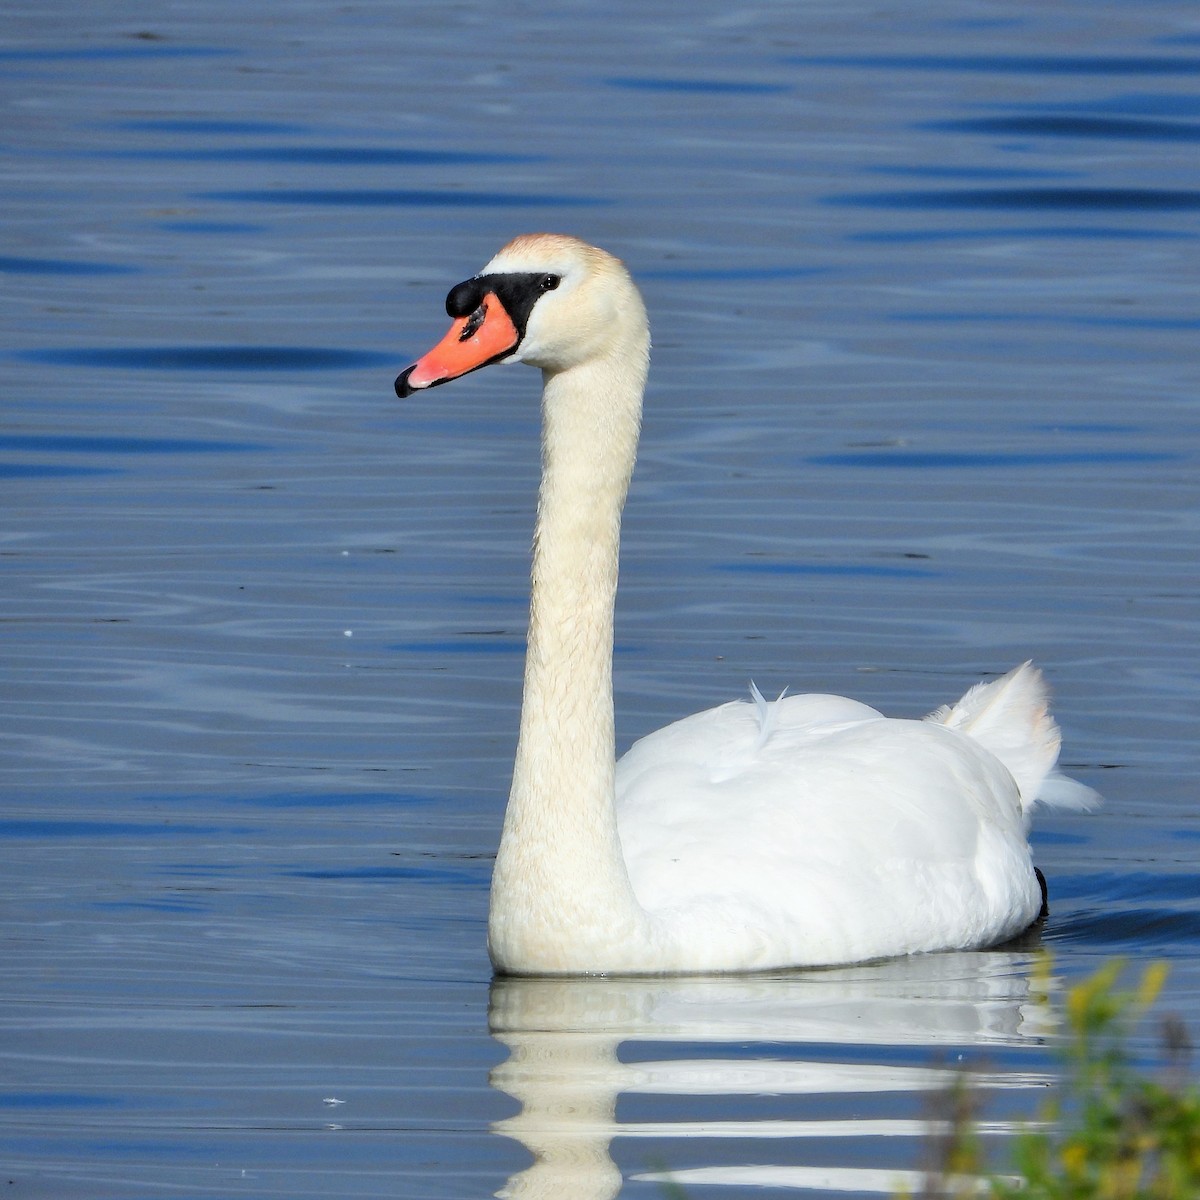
point(923, 405)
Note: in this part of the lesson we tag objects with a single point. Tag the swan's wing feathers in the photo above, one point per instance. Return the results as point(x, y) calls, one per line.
point(722, 743)
point(847, 831)
point(834, 783)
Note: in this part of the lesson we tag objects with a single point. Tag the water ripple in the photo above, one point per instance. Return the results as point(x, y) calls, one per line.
point(39, 1100)
point(1145, 928)
point(34, 828)
point(336, 800)
point(1146, 104)
point(730, 274)
point(1178, 324)
point(1084, 199)
point(207, 127)
point(1011, 64)
point(332, 156)
point(49, 471)
point(466, 645)
point(1073, 126)
point(941, 171)
point(71, 444)
point(974, 460)
point(145, 48)
point(207, 358)
point(216, 228)
point(473, 876)
point(870, 570)
point(711, 87)
point(399, 198)
point(11, 265)
point(1117, 886)
point(1048, 232)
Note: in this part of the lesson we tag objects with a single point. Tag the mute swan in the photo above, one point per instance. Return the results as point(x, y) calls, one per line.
point(809, 831)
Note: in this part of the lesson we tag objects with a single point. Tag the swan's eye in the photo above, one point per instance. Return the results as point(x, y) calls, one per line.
point(473, 323)
point(548, 283)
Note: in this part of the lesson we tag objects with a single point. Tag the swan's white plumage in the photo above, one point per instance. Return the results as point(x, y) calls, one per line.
point(854, 835)
point(809, 830)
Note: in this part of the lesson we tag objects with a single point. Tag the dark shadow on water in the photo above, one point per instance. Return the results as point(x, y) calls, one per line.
point(1141, 104)
point(331, 156)
point(467, 644)
point(15, 828)
point(1176, 324)
point(40, 1100)
point(1113, 427)
point(1072, 126)
point(1147, 929)
point(215, 228)
point(474, 876)
point(706, 87)
point(334, 800)
point(67, 444)
point(941, 171)
point(730, 274)
point(208, 358)
point(209, 127)
point(141, 48)
point(1117, 887)
point(174, 905)
point(388, 198)
point(1049, 232)
point(50, 471)
point(868, 570)
point(1082, 199)
point(1010, 64)
point(10, 265)
point(923, 460)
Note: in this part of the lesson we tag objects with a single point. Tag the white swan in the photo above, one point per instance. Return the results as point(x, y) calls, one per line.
point(808, 831)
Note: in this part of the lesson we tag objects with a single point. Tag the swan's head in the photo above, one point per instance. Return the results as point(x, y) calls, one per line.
point(546, 299)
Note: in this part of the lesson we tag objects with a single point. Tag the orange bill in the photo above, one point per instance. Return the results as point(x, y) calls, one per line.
point(474, 341)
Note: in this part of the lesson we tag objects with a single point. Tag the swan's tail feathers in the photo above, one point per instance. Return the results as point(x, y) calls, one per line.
point(1061, 791)
point(1011, 717)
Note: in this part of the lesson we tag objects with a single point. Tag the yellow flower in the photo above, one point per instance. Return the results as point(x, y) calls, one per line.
point(1074, 1158)
point(1153, 979)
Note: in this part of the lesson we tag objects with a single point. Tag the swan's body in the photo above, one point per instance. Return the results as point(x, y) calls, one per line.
point(809, 831)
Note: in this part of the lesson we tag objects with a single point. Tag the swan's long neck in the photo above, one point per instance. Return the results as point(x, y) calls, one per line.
point(560, 890)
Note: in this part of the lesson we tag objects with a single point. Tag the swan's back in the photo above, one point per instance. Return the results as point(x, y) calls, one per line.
point(841, 834)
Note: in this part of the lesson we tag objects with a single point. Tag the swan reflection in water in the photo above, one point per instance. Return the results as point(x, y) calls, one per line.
point(791, 1035)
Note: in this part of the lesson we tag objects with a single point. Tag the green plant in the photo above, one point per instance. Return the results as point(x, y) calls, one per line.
point(1113, 1131)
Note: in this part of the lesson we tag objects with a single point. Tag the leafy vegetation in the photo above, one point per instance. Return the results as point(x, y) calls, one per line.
point(1112, 1132)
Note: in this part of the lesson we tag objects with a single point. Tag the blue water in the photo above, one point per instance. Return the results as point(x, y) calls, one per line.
point(923, 405)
